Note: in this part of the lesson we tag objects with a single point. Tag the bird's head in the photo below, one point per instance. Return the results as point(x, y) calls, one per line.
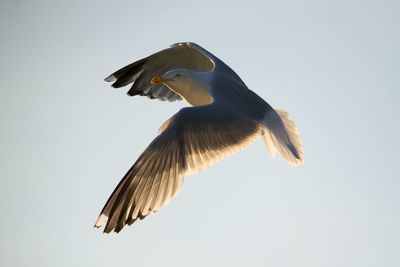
point(190, 85)
point(176, 79)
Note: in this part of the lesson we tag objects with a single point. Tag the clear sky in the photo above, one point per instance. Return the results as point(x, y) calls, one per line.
point(67, 137)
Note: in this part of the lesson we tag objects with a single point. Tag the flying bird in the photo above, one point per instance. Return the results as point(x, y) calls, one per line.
point(225, 116)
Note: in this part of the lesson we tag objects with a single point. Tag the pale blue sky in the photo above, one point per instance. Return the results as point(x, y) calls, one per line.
point(67, 138)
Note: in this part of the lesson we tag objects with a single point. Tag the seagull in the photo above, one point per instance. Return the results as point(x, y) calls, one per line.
point(224, 117)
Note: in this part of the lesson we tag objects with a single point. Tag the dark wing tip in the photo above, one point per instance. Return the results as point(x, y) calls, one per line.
point(132, 93)
point(110, 78)
point(294, 151)
point(118, 226)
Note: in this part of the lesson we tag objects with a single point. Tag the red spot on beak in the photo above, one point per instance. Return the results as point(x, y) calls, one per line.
point(156, 80)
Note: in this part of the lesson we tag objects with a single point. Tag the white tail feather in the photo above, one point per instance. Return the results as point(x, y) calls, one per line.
point(282, 135)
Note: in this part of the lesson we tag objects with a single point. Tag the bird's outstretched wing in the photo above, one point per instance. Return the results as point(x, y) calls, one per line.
point(181, 55)
point(192, 139)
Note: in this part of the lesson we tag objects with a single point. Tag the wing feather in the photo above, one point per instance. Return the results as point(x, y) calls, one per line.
point(281, 134)
point(193, 139)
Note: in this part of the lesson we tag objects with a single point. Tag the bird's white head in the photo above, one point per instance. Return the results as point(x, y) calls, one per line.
point(176, 79)
point(191, 85)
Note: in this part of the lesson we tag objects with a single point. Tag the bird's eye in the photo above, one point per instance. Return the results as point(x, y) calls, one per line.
point(178, 75)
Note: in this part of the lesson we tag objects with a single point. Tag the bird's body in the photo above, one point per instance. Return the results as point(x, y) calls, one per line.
point(225, 117)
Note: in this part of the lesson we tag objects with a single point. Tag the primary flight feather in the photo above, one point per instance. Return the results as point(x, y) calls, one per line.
point(225, 117)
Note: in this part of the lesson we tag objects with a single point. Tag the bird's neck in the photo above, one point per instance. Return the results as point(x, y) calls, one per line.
point(197, 93)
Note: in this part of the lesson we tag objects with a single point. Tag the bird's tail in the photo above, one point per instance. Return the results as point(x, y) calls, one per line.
point(281, 134)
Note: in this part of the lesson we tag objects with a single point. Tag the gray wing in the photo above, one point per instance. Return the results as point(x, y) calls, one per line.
point(193, 139)
point(181, 55)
